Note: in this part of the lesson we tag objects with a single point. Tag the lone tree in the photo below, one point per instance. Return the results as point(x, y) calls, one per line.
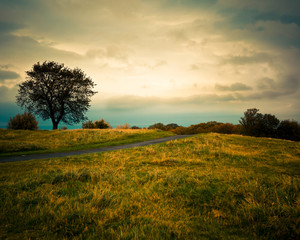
point(56, 92)
point(259, 125)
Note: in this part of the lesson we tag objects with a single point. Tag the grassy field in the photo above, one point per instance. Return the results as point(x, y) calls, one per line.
point(208, 186)
point(16, 142)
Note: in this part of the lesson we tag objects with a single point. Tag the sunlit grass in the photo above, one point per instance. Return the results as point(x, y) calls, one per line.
point(209, 186)
point(25, 142)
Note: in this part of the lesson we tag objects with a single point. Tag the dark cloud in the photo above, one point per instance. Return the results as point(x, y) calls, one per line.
point(26, 49)
point(266, 83)
point(241, 18)
point(7, 75)
point(284, 86)
point(188, 3)
point(8, 27)
point(233, 87)
point(268, 95)
point(290, 83)
point(6, 66)
point(244, 60)
point(208, 99)
point(263, 23)
point(287, 87)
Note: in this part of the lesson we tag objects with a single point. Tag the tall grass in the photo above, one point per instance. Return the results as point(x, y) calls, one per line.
point(22, 141)
point(209, 186)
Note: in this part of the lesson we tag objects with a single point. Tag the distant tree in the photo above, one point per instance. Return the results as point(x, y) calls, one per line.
point(259, 125)
point(24, 121)
point(250, 121)
point(160, 126)
point(56, 92)
point(289, 130)
point(268, 126)
point(135, 127)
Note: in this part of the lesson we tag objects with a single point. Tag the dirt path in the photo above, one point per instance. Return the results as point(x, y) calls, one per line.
point(104, 149)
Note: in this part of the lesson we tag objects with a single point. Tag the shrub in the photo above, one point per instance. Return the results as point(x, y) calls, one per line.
point(180, 131)
point(226, 128)
point(171, 126)
point(25, 121)
point(124, 126)
point(101, 124)
point(88, 124)
point(158, 126)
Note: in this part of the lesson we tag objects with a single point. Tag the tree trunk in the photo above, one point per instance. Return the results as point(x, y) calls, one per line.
point(55, 125)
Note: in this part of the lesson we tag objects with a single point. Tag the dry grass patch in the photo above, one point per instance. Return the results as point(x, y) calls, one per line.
point(194, 188)
point(14, 142)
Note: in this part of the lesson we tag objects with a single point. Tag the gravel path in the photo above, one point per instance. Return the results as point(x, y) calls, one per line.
point(104, 149)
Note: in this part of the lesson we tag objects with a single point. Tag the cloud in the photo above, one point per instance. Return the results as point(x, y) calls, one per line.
point(244, 17)
point(266, 83)
point(245, 60)
point(290, 83)
point(160, 63)
point(9, 27)
point(25, 51)
point(287, 7)
point(285, 85)
point(233, 87)
point(189, 4)
point(117, 52)
point(6, 66)
point(8, 75)
point(194, 67)
point(131, 102)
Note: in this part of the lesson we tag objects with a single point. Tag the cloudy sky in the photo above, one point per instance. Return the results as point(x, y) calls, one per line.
point(183, 61)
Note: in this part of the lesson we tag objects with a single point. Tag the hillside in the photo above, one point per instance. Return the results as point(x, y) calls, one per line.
point(206, 186)
point(21, 142)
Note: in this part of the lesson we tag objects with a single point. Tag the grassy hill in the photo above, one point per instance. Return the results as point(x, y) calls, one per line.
point(208, 186)
point(17, 142)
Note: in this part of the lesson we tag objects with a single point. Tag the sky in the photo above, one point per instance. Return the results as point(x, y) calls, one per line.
point(182, 61)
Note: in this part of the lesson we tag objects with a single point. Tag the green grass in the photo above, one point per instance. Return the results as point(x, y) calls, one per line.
point(208, 186)
point(21, 142)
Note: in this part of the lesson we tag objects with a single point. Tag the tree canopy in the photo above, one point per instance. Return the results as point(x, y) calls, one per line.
point(56, 92)
point(259, 125)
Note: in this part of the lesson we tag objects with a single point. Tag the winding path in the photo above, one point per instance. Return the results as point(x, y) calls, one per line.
point(103, 149)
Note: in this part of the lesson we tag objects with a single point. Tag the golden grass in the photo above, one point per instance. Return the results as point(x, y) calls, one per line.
point(16, 141)
point(204, 187)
